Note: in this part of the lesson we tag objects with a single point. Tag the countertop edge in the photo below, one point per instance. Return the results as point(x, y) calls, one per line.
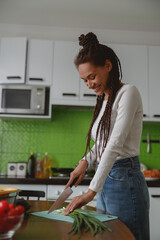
point(45, 181)
point(58, 181)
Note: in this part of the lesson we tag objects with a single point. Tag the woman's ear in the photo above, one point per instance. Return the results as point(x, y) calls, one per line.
point(108, 65)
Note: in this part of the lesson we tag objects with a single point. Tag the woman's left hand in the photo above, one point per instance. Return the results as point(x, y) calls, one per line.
point(79, 201)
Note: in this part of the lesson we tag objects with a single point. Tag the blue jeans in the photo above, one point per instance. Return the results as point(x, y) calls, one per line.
point(125, 194)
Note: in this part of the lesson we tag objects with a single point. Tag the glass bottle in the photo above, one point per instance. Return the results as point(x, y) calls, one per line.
point(38, 172)
point(46, 165)
point(31, 166)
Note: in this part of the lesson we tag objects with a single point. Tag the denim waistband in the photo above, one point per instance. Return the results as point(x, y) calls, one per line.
point(132, 162)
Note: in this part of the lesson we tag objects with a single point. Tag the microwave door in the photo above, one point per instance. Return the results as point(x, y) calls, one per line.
point(16, 101)
point(20, 99)
point(38, 100)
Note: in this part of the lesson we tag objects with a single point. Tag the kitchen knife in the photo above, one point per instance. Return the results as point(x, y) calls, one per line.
point(64, 195)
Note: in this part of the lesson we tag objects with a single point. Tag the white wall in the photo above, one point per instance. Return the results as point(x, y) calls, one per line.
point(72, 34)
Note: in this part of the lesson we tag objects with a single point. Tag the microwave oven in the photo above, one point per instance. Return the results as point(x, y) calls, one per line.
point(24, 99)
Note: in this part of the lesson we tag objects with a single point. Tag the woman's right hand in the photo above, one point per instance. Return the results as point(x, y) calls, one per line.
point(79, 172)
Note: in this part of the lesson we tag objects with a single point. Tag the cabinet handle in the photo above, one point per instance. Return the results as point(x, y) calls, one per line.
point(155, 196)
point(36, 79)
point(13, 77)
point(151, 141)
point(148, 143)
point(69, 94)
point(156, 115)
point(89, 95)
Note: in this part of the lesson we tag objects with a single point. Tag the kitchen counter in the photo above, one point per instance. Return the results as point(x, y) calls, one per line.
point(58, 181)
point(46, 181)
point(37, 228)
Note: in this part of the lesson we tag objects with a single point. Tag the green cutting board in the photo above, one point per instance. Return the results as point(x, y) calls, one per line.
point(60, 217)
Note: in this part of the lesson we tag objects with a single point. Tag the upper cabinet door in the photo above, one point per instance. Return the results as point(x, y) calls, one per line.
point(12, 60)
point(133, 60)
point(154, 81)
point(40, 62)
point(65, 75)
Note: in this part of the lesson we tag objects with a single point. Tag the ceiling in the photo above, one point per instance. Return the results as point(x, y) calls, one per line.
point(132, 15)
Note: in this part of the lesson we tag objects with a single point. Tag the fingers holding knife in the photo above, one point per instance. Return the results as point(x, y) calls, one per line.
point(74, 180)
point(79, 173)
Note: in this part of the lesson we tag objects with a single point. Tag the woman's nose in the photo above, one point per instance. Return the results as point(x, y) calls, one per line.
point(89, 84)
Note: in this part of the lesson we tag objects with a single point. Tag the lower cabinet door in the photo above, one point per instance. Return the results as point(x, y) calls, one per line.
point(154, 213)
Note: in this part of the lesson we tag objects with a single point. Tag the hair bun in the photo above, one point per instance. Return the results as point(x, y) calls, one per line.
point(88, 39)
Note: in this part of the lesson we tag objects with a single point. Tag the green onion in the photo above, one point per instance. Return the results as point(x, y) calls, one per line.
point(84, 219)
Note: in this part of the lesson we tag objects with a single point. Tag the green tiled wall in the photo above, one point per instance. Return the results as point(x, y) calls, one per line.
point(63, 137)
point(152, 159)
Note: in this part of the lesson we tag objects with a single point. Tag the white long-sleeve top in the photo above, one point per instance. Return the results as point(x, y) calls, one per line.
point(125, 133)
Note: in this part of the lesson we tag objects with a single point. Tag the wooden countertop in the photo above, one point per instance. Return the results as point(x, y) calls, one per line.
point(36, 228)
point(58, 181)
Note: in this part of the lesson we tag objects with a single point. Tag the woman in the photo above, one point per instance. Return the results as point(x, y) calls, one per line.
point(116, 129)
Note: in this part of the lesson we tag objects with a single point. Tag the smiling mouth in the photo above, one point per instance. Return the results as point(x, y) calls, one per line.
point(96, 89)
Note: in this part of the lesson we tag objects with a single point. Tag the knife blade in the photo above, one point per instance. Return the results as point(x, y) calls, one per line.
point(64, 195)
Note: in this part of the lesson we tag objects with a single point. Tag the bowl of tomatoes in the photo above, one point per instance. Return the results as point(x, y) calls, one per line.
point(11, 218)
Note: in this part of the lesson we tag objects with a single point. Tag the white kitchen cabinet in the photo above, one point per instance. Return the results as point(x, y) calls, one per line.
point(39, 62)
point(154, 82)
point(134, 64)
point(35, 187)
point(12, 60)
point(154, 193)
point(54, 191)
point(67, 87)
point(65, 75)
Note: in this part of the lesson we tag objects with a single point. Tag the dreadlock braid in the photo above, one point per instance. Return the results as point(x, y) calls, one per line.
point(97, 54)
point(95, 115)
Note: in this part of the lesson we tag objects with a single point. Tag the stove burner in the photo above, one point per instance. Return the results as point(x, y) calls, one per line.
point(62, 175)
point(62, 172)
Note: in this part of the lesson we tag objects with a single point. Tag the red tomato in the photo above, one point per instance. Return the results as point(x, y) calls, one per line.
point(12, 212)
point(13, 216)
point(11, 205)
point(4, 207)
point(20, 209)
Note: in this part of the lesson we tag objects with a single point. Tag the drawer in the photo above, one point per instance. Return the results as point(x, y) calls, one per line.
point(154, 212)
point(54, 191)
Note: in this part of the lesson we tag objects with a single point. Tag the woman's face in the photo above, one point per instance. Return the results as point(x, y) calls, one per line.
point(96, 77)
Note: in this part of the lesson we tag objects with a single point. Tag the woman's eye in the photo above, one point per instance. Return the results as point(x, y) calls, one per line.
point(92, 77)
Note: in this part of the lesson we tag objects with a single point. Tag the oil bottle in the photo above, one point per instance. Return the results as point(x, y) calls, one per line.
point(38, 172)
point(46, 166)
point(31, 166)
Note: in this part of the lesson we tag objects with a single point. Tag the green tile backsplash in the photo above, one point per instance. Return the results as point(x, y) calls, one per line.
point(152, 159)
point(64, 138)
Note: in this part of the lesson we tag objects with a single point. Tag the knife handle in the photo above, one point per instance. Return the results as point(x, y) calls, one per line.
point(74, 181)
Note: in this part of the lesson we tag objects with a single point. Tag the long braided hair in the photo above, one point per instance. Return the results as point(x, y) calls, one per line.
point(97, 54)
